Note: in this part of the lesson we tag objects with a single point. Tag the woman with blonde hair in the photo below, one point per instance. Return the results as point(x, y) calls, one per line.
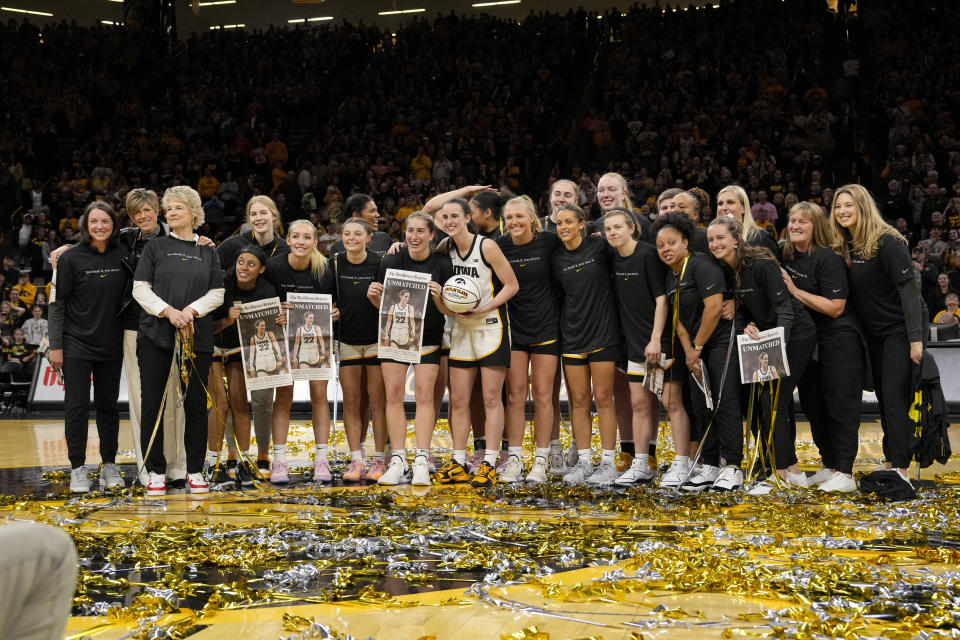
point(886, 299)
point(562, 192)
point(303, 270)
point(534, 336)
point(817, 277)
point(733, 202)
point(178, 283)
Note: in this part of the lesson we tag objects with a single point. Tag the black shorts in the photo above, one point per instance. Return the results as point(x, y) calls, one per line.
point(428, 355)
point(548, 348)
point(605, 354)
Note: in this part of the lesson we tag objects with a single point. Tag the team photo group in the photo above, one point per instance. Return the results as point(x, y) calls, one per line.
point(494, 303)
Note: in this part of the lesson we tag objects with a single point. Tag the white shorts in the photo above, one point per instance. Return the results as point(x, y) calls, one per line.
point(480, 346)
point(354, 354)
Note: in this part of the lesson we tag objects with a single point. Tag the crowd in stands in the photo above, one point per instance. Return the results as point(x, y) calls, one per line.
point(784, 99)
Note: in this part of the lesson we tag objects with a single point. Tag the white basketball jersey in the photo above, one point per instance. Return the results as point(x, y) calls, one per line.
point(266, 359)
point(309, 347)
point(400, 329)
point(474, 266)
point(764, 376)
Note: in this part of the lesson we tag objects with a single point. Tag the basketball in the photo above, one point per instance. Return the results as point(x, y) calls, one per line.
point(461, 293)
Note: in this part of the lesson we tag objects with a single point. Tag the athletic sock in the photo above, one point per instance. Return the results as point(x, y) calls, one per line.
point(356, 455)
point(504, 445)
point(460, 456)
point(608, 455)
point(516, 451)
point(422, 453)
point(626, 446)
point(585, 455)
point(491, 456)
point(642, 460)
point(683, 461)
point(479, 444)
point(321, 451)
point(652, 449)
point(378, 455)
point(212, 458)
point(543, 452)
point(280, 453)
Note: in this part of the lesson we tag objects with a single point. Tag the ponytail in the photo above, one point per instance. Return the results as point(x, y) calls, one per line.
point(318, 261)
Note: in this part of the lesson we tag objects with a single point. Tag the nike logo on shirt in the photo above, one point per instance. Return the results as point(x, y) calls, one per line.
point(711, 286)
point(835, 290)
point(780, 291)
point(905, 270)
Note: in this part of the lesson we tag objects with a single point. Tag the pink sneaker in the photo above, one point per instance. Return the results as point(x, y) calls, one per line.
point(321, 470)
point(502, 460)
point(356, 472)
point(280, 472)
point(474, 462)
point(377, 469)
point(431, 464)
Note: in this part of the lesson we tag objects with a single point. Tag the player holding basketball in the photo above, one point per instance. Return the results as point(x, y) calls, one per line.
point(480, 340)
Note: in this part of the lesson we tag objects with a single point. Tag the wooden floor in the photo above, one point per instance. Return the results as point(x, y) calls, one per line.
point(590, 601)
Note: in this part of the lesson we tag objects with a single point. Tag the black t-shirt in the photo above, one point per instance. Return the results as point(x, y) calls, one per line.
point(84, 319)
point(133, 240)
point(229, 338)
point(358, 316)
point(589, 318)
point(822, 273)
point(285, 279)
point(180, 272)
point(761, 238)
point(440, 269)
point(233, 246)
point(699, 242)
point(535, 310)
point(702, 278)
point(759, 290)
point(873, 287)
point(638, 279)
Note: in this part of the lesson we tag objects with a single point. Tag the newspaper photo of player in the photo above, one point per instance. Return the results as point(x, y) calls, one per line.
point(402, 309)
point(309, 331)
point(263, 345)
point(765, 359)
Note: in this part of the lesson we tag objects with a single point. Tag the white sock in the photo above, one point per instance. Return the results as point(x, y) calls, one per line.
point(356, 455)
point(460, 456)
point(491, 456)
point(399, 454)
point(682, 461)
point(543, 452)
point(422, 453)
point(378, 455)
point(642, 460)
point(608, 455)
point(280, 452)
point(515, 451)
point(212, 457)
point(585, 455)
point(321, 451)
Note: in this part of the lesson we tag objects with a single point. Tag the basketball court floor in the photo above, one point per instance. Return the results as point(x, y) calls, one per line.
point(536, 563)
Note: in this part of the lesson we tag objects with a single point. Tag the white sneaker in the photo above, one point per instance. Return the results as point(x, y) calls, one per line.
point(839, 483)
point(196, 484)
point(702, 479)
point(538, 472)
point(579, 473)
point(571, 457)
point(421, 472)
point(157, 484)
point(820, 477)
point(673, 476)
point(605, 475)
point(763, 487)
point(638, 473)
point(79, 482)
point(397, 473)
point(797, 479)
point(558, 464)
point(729, 479)
point(110, 477)
point(512, 471)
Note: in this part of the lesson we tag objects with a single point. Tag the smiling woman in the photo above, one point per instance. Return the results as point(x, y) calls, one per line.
point(86, 339)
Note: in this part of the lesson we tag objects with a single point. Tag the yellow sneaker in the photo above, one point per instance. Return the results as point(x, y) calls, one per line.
point(452, 473)
point(486, 476)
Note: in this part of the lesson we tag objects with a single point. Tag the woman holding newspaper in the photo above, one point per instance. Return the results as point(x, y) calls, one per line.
point(763, 302)
point(694, 287)
point(817, 277)
point(886, 298)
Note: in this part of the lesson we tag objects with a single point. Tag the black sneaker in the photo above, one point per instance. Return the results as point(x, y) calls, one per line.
point(263, 465)
point(232, 468)
point(218, 476)
point(246, 477)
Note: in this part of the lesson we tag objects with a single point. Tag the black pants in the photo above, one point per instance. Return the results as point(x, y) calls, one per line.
point(799, 350)
point(76, 406)
point(154, 368)
point(723, 439)
point(830, 394)
point(892, 378)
